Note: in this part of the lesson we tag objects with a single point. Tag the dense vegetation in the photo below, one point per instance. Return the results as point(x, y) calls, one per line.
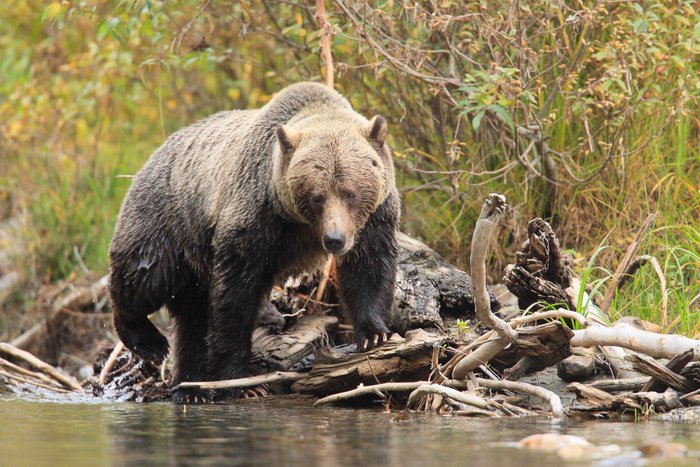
point(585, 113)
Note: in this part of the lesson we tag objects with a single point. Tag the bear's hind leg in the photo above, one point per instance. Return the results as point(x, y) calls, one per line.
point(189, 312)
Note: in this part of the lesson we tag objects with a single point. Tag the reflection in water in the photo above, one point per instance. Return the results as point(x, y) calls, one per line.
point(286, 433)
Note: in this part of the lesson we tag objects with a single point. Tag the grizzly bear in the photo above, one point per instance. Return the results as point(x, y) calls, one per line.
point(231, 204)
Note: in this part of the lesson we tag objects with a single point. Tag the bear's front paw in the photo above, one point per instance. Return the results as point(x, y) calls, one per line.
point(373, 340)
point(371, 335)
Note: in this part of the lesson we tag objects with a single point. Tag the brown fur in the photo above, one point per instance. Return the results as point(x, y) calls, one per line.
point(235, 201)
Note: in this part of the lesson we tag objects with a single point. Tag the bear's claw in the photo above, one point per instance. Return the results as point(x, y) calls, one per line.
point(374, 340)
point(190, 396)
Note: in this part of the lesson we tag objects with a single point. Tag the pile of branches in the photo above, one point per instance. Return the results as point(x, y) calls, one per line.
point(485, 374)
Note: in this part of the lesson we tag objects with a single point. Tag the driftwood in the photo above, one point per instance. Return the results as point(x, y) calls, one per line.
point(649, 343)
point(541, 273)
point(619, 385)
point(599, 400)
point(535, 347)
point(661, 376)
point(375, 389)
point(491, 212)
point(552, 399)
point(448, 393)
point(398, 359)
point(66, 380)
point(251, 381)
point(279, 352)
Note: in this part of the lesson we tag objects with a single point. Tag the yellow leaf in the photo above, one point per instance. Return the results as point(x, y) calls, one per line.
point(299, 19)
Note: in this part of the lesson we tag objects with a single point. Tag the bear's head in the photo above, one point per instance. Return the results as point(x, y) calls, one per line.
point(333, 175)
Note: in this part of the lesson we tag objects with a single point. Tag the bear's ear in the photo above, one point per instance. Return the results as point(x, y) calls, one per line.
point(288, 140)
point(376, 130)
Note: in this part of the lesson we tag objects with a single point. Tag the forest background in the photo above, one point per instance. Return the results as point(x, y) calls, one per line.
point(581, 112)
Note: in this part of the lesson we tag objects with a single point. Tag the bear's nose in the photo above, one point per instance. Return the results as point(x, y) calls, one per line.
point(333, 242)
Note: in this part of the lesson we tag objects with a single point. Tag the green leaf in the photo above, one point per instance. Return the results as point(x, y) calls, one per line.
point(504, 114)
point(476, 122)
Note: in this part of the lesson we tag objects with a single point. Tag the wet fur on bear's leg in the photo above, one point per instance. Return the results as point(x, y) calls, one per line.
point(239, 285)
point(145, 271)
point(132, 302)
point(367, 274)
point(189, 312)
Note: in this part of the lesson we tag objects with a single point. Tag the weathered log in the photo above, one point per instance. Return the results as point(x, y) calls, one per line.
point(429, 290)
point(676, 365)
point(398, 359)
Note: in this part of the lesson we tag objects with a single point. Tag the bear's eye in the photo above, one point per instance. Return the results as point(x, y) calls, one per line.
point(347, 195)
point(375, 163)
point(318, 198)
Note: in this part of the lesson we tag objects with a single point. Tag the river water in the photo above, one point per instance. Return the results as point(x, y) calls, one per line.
point(291, 432)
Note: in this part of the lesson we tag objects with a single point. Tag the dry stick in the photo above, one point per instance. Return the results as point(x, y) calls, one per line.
point(18, 369)
point(448, 393)
point(326, 34)
point(66, 380)
point(491, 212)
point(664, 292)
point(111, 360)
point(23, 379)
point(548, 396)
point(551, 314)
point(624, 264)
point(649, 343)
point(372, 389)
point(274, 377)
point(637, 264)
point(327, 268)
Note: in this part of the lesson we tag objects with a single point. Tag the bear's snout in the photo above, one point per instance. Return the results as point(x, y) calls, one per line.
point(334, 242)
